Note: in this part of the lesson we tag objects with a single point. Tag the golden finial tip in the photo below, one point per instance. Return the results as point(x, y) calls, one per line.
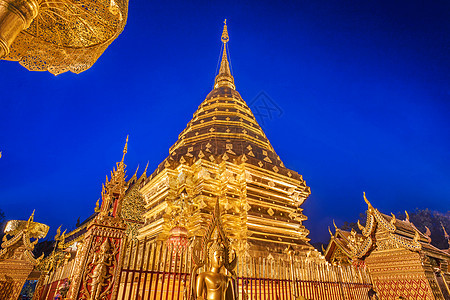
point(225, 38)
point(125, 149)
point(32, 216)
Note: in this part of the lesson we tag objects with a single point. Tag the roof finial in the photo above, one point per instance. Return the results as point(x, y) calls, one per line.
point(125, 149)
point(445, 232)
point(135, 173)
point(145, 171)
point(225, 37)
point(30, 219)
point(224, 78)
point(367, 201)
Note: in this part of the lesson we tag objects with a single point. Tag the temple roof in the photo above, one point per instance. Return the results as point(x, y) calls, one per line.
point(402, 233)
point(224, 129)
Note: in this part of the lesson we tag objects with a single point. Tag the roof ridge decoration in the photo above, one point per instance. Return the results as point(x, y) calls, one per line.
point(407, 217)
point(413, 245)
point(374, 217)
point(370, 220)
point(389, 226)
point(114, 189)
point(428, 234)
point(446, 235)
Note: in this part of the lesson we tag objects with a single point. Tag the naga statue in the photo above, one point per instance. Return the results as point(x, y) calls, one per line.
point(16, 255)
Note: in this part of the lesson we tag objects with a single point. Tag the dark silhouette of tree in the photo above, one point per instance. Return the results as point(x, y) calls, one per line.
point(433, 220)
point(45, 247)
point(2, 224)
point(348, 226)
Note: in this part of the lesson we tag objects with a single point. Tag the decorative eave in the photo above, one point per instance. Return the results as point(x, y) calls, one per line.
point(335, 241)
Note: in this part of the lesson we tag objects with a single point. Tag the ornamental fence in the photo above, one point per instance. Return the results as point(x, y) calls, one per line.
point(157, 271)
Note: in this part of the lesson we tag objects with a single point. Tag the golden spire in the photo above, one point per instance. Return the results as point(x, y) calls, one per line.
point(125, 149)
point(224, 78)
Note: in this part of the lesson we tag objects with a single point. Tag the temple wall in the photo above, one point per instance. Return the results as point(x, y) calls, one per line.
point(399, 272)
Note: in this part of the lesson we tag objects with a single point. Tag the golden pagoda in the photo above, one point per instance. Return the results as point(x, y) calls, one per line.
point(224, 154)
point(222, 187)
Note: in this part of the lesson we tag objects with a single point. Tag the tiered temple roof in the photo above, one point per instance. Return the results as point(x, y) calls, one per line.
point(224, 129)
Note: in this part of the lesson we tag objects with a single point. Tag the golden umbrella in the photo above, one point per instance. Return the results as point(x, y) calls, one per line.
point(59, 35)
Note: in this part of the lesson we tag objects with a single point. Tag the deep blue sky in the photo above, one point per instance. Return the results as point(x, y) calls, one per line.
point(363, 86)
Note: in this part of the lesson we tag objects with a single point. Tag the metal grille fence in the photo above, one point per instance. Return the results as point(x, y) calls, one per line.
point(157, 271)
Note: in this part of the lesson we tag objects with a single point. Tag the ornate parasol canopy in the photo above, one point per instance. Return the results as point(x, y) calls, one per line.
point(59, 35)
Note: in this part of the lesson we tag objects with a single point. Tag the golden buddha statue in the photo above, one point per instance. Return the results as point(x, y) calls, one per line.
point(213, 283)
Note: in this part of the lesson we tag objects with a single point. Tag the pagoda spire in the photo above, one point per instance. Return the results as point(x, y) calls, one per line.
point(224, 78)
